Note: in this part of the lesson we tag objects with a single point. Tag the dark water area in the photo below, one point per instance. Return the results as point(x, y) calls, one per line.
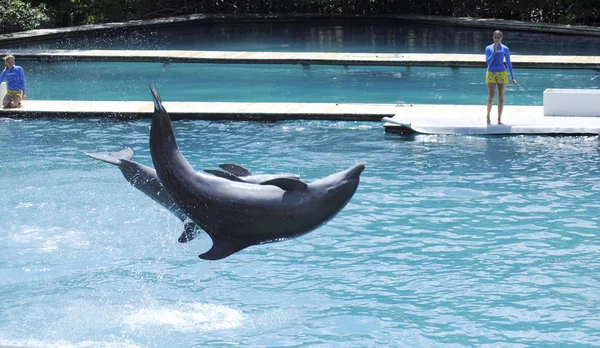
point(323, 36)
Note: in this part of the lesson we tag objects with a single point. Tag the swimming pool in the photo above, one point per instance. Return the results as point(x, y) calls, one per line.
point(288, 83)
point(449, 241)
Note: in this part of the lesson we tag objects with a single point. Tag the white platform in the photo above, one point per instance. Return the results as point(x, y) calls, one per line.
point(470, 120)
point(572, 102)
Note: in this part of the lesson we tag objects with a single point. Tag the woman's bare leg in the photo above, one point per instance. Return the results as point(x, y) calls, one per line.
point(501, 89)
point(490, 100)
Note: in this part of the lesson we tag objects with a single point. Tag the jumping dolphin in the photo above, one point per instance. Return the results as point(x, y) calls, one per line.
point(145, 179)
point(237, 215)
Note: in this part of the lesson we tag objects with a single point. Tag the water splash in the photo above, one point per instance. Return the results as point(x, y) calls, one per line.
point(195, 317)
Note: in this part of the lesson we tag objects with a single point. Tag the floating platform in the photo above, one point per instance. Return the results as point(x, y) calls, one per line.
point(304, 58)
point(470, 120)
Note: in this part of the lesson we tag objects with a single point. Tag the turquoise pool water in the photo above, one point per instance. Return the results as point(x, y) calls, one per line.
point(288, 83)
point(449, 241)
point(324, 36)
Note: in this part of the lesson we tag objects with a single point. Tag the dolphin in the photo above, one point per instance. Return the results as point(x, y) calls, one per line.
point(237, 215)
point(145, 179)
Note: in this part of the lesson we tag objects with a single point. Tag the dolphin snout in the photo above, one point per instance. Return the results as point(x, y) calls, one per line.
point(355, 171)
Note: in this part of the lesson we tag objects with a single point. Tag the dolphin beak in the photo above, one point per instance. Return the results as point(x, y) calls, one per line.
point(354, 172)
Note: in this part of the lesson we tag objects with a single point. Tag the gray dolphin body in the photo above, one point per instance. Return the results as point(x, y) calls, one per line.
point(145, 179)
point(237, 215)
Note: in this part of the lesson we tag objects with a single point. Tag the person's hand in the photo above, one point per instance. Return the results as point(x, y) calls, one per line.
point(495, 46)
point(515, 82)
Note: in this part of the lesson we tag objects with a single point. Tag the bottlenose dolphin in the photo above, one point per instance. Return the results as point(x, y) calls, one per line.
point(237, 215)
point(145, 179)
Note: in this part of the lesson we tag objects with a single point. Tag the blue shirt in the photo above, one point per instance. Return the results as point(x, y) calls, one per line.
point(495, 60)
point(15, 79)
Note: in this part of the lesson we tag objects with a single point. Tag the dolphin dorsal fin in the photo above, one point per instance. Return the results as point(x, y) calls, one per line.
point(235, 169)
point(287, 184)
point(222, 174)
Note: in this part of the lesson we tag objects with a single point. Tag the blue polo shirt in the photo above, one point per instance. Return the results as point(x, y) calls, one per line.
point(15, 79)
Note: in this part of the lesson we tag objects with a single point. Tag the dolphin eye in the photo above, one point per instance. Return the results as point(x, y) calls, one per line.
point(330, 190)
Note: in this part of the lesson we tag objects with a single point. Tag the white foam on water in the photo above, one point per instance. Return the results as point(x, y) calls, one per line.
point(192, 318)
point(31, 343)
point(49, 239)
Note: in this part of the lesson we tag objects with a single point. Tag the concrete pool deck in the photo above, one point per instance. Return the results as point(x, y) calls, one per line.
point(303, 58)
point(202, 110)
point(517, 119)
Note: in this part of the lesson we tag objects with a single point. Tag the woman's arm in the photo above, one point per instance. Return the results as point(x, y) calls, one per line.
point(508, 63)
point(22, 75)
point(489, 55)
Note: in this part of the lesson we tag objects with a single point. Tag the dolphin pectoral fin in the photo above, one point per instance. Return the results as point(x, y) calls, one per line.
point(287, 184)
point(222, 174)
point(222, 248)
point(189, 232)
point(235, 169)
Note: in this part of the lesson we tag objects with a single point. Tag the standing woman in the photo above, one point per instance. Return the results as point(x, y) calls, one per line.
point(15, 83)
point(496, 75)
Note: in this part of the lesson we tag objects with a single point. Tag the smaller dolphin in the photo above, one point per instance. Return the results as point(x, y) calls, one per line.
point(145, 179)
point(236, 172)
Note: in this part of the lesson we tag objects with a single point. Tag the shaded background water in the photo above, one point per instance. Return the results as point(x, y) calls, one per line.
point(324, 36)
point(449, 241)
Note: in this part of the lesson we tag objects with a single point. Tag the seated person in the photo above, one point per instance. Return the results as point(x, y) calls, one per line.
point(15, 81)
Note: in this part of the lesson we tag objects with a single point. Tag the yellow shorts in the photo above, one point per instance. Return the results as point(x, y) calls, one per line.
point(16, 93)
point(496, 77)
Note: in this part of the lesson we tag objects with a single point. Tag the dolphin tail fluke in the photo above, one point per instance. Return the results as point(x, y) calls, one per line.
point(114, 158)
point(189, 233)
point(222, 248)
